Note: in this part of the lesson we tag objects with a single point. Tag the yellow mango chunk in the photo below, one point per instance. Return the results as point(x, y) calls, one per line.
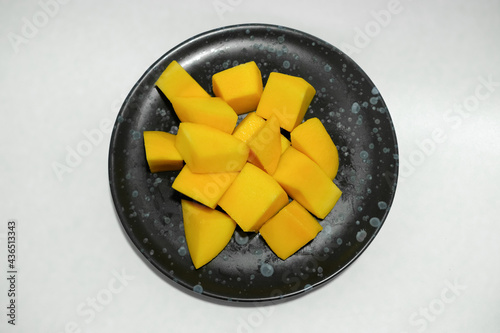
point(211, 111)
point(265, 146)
point(290, 229)
point(312, 139)
point(239, 86)
point(208, 150)
point(207, 231)
point(161, 153)
point(206, 188)
point(305, 182)
point(249, 126)
point(285, 143)
point(286, 96)
point(253, 197)
point(176, 82)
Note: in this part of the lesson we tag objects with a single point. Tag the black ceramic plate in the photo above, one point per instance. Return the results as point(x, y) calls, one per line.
point(351, 109)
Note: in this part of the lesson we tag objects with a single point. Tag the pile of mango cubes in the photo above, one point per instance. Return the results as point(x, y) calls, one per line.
point(271, 173)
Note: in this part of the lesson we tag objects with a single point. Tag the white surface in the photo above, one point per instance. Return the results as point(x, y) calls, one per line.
point(434, 266)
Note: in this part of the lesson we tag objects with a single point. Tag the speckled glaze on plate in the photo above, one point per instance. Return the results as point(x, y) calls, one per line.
point(352, 111)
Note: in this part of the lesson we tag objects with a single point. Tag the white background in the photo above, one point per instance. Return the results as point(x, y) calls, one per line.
point(435, 264)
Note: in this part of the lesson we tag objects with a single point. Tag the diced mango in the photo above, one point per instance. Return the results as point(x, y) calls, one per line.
point(253, 197)
point(208, 150)
point(249, 170)
point(239, 86)
point(312, 139)
point(207, 231)
point(305, 182)
point(161, 153)
point(265, 146)
point(290, 229)
point(285, 143)
point(206, 188)
point(286, 96)
point(211, 111)
point(249, 126)
point(175, 81)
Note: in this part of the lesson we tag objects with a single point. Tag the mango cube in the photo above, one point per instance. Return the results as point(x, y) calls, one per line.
point(206, 188)
point(239, 86)
point(175, 81)
point(249, 126)
point(207, 231)
point(208, 150)
point(312, 139)
point(161, 153)
point(290, 229)
point(305, 182)
point(211, 111)
point(253, 197)
point(265, 146)
point(285, 143)
point(286, 96)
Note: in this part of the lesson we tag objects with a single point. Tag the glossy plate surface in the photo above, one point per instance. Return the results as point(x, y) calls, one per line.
point(352, 111)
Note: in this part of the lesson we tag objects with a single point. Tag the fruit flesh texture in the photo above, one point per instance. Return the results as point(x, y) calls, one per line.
point(240, 86)
point(207, 231)
point(208, 150)
point(161, 153)
point(305, 182)
point(289, 230)
point(265, 146)
point(206, 188)
point(175, 81)
point(248, 127)
point(253, 197)
point(286, 96)
point(312, 139)
point(211, 111)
